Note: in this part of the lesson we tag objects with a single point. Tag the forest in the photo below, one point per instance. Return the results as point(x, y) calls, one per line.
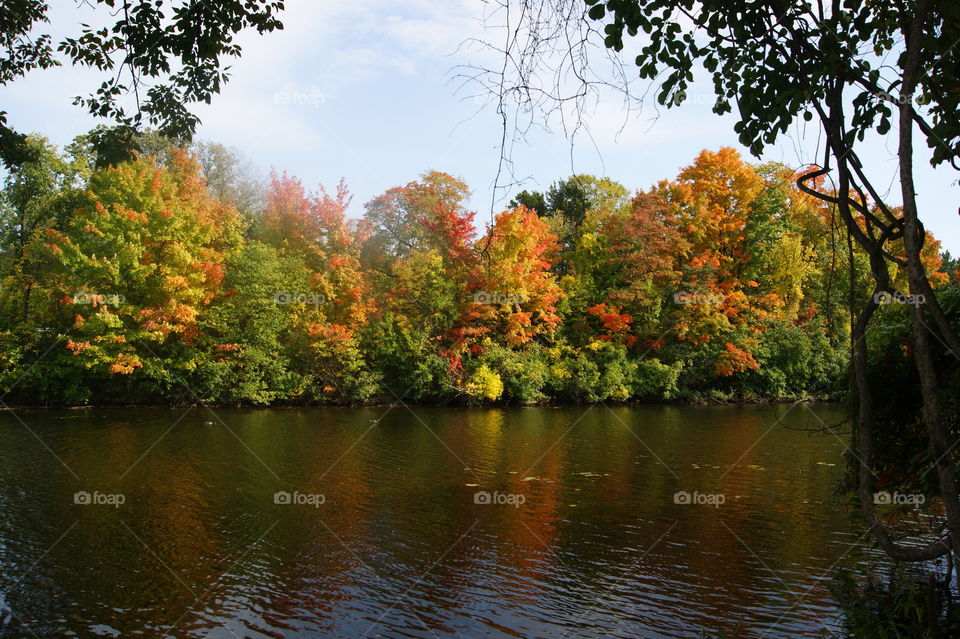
point(176, 277)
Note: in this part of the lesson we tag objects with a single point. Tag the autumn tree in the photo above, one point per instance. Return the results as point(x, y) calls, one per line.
point(139, 260)
point(420, 246)
point(332, 303)
point(515, 293)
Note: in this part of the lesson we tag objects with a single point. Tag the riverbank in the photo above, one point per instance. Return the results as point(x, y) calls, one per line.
point(706, 401)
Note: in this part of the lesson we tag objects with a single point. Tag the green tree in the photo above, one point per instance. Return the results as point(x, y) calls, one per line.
point(37, 195)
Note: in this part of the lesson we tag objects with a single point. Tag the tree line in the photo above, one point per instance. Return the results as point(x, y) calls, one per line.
point(175, 277)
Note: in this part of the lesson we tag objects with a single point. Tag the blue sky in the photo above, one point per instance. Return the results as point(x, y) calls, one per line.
point(368, 90)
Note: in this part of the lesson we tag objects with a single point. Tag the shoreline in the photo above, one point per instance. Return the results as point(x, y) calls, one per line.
point(753, 401)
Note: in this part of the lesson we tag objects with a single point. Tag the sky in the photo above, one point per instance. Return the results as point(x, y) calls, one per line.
point(373, 91)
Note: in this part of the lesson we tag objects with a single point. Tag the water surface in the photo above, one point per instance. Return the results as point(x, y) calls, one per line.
point(388, 538)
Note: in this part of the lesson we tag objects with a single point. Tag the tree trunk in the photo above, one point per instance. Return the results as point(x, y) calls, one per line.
point(912, 240)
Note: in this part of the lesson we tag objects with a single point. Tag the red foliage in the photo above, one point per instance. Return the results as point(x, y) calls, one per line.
point(734, 360)
point(616, 324)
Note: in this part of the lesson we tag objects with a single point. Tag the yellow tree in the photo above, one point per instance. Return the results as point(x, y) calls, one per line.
point(711, 204)
point(141, 258)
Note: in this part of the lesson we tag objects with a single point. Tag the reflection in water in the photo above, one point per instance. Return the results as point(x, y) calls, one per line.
point(366, 522)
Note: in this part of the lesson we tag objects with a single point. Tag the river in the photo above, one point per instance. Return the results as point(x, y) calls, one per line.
point(640, 521)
